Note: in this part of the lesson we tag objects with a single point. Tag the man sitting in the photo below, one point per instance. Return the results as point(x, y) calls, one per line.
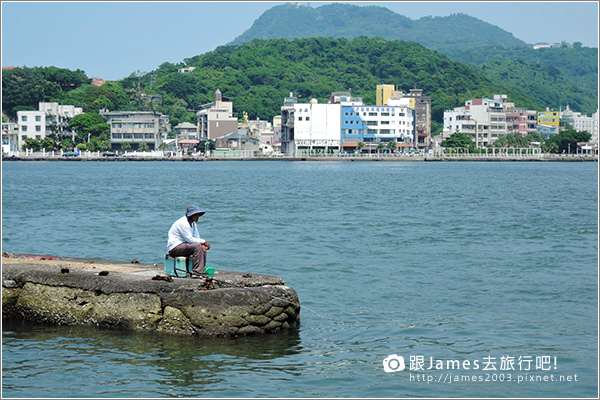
point(185, 241)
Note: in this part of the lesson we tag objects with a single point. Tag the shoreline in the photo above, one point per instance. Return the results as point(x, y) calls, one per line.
point(471, 158)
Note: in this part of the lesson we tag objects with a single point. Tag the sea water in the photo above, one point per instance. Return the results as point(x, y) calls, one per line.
point(484, 264)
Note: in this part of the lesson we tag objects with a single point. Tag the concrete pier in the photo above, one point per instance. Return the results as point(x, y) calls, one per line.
point(129, 295)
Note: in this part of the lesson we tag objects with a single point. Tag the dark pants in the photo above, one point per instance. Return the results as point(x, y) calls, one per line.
point(191, 249)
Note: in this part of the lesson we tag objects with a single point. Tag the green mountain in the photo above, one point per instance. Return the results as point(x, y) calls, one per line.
point(457, 31)
point(459, 36)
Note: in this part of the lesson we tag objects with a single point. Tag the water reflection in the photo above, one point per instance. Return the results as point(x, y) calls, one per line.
point(160, 362)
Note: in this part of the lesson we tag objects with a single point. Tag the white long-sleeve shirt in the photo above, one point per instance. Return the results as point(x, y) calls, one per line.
point(182, 232)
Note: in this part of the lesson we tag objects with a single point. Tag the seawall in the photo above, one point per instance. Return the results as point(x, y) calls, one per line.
point(126, 295)
point(372, 157)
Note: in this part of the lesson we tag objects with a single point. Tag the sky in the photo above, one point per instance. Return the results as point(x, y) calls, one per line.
point(114, 39)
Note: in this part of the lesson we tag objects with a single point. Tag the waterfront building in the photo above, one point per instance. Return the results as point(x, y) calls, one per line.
point(276, 129)
point(58, 117)
point(309, 127)
point(186, 135)
point(341, 124)
point(372, 125)
point(216, 119)
point(579, 122)
point(10, 137)
point(548, 122)
point(236, 143)
point(136, 127)
point(520, 121)
point(257, 129)
point(186, 130)
point(32, 124)
point(389, 95)
point(50, 119)
point(485, 120)
point(422, 113)
point(595, 128)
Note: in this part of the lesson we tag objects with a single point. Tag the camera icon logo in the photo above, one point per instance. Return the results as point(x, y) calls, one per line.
point(393, 363)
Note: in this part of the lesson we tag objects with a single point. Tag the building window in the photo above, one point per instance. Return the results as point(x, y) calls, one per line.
point(23, 137)
point(23, 118)
point(308, 118)
point(38, 128)
point(299, 118)
point(149, 136)
point(127, 136)
point(38, 118)
point(24, 128)
point(138, 136)
point(116, 136)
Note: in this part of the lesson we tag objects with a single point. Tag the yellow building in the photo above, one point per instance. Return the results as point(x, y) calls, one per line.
point(383, 93)
point(549, 118)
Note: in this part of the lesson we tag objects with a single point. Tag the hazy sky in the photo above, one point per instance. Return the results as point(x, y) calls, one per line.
point(113, 39)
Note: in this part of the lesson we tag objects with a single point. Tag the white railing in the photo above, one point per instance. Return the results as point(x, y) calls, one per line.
point(159, 154)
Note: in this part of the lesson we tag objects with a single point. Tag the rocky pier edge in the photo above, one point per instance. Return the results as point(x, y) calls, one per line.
point(130, 295)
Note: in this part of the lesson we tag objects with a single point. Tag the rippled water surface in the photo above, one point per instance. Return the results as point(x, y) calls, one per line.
point(453, 261)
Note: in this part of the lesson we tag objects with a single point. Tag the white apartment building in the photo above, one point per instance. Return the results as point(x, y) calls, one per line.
point(10, 137)
point(32, 124)
point(485, 120)
point(309, 127)
point(581, 122)
point(51, 118)
point(58, 117)
point(375, 124)
point(595, 128)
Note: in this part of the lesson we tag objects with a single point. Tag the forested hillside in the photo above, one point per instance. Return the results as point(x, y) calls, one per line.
point(259, 74)
point(543, 83)
point(24, 88)
point(577, 64)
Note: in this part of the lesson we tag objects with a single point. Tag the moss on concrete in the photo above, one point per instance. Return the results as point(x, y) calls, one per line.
point(128, 298)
